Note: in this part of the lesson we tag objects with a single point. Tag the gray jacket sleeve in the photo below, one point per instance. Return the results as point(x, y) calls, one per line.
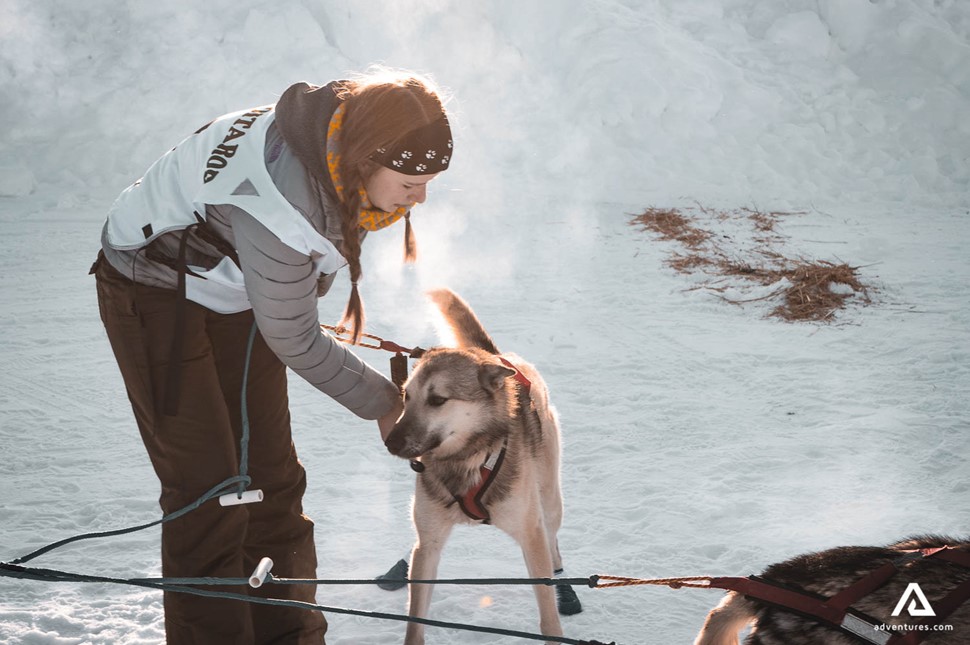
point(282, 288)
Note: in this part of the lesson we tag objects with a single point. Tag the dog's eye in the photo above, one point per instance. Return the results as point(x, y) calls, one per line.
point(435, 400)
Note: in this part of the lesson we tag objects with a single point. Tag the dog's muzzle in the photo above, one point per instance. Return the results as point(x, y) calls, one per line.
point(400, 444)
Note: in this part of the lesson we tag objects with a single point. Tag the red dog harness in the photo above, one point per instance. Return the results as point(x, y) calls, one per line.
point(834, 611)
point(471, 502)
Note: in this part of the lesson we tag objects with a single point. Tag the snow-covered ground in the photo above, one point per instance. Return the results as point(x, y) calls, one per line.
point(700, 437)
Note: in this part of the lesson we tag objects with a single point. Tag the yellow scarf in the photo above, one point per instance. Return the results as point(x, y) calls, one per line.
point(370, 218)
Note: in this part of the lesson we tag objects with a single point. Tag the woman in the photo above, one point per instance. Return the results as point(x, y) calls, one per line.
point(246, 222)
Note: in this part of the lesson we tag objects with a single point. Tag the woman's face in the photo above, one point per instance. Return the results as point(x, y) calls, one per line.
point(389, 189)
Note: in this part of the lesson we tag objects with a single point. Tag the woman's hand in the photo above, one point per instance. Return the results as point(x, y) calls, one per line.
point(386, 422)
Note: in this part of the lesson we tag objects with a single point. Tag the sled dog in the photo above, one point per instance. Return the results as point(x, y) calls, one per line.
point(916, 586)
point(479, 429)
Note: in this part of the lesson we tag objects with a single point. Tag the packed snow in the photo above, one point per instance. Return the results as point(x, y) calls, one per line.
point(700, 437)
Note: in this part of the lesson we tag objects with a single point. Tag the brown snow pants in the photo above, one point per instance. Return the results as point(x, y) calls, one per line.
point(199, 448)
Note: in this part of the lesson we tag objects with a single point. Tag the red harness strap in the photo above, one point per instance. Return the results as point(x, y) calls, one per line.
point(834, 610)
point(471, 502)
point(519, 376)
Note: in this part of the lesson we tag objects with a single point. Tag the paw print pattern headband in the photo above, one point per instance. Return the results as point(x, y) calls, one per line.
point(422, 151)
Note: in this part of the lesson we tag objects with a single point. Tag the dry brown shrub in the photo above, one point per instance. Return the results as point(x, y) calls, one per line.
point(688, 263)
point(808, 294)
point(764, 222)
point(670, 224)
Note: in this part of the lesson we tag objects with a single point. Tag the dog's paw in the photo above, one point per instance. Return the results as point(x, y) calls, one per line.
point(567, 601)
point(395, 577)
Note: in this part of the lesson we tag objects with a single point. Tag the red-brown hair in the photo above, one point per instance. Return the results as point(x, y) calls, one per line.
point(381, 108)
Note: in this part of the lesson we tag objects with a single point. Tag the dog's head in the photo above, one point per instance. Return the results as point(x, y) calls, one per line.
point(456, 403)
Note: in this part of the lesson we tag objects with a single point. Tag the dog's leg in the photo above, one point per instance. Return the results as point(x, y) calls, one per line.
point(726, 620)
point(552, 513)
point(567, 601)
point(433, 531)
point(539, 561)
point(552, 509)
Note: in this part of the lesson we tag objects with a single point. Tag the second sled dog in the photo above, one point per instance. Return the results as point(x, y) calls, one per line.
point(829, 572)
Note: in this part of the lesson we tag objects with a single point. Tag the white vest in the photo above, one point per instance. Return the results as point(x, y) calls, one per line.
point(221, 164)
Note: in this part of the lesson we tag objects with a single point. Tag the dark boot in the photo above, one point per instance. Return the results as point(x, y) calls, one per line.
point(395, 578)
point(567, 600)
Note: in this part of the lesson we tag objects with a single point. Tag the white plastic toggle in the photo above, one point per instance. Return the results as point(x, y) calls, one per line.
point(259, 574)
point(248, 497)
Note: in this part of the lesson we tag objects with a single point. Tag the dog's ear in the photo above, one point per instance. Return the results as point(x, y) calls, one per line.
point(492, 376)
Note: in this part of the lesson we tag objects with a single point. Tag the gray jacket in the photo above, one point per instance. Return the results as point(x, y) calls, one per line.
point(281, 283)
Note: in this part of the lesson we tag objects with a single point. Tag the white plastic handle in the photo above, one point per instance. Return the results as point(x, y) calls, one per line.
point(259, 574)
point(248, 497)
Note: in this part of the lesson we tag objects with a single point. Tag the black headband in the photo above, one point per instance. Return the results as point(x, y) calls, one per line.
point(422, 151)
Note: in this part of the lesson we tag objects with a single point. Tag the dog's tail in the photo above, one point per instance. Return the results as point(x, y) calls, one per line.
point(726, 620)
point(462, 321)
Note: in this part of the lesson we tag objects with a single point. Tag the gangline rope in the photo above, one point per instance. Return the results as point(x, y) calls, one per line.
point(188, 586)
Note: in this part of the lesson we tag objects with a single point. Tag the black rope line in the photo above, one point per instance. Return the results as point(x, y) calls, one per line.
point(591, 581)
point(52, 575)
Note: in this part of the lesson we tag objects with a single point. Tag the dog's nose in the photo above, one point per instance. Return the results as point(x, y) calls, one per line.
point(395, 441)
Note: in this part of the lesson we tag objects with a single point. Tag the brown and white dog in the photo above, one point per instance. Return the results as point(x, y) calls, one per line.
point(829, 572)
point(478, 427)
